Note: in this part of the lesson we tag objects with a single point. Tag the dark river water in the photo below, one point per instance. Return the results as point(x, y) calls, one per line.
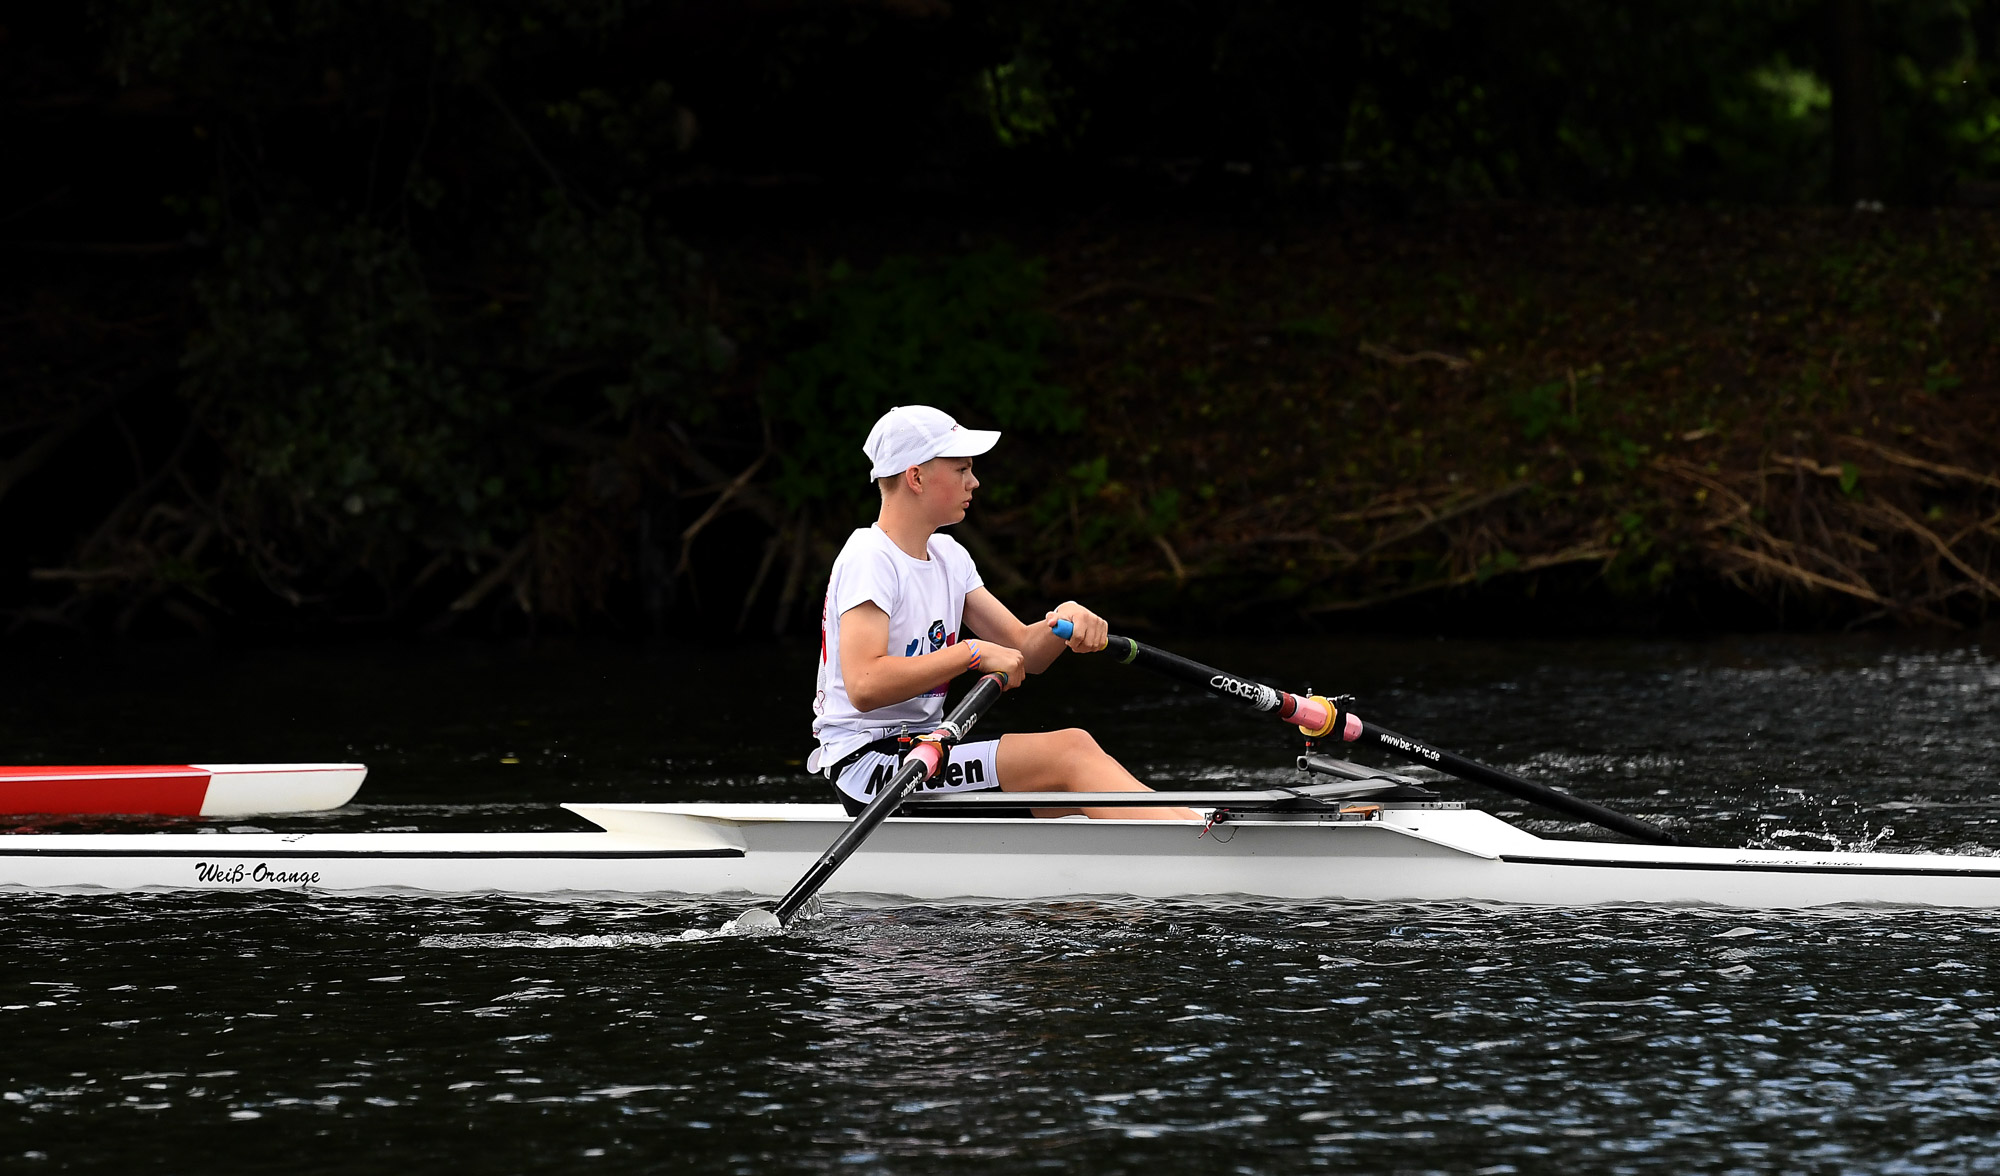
point(225, 1032)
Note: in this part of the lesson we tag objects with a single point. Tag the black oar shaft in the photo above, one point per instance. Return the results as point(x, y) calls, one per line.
point(1478, 773)
point(916, 768)
point(1173, 665)
point(1266, 698)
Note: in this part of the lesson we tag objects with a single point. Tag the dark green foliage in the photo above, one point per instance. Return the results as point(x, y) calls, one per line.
point(964, 334)
point(411, 277)
point(326, 370)
point(1544, 407)
point(1647, 100)
point(439, 312)
point(364, 413)
point(613, 295)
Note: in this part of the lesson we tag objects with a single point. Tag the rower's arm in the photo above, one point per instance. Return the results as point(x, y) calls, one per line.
point(986, 616)
point(875, 677)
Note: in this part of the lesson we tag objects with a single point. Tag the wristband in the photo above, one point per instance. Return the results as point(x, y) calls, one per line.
point(974, 647)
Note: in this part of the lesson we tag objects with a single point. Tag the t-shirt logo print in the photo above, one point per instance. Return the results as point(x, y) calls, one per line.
point(937, 636)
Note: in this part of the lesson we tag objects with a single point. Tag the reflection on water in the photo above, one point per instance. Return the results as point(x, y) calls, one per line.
point(240, 1032)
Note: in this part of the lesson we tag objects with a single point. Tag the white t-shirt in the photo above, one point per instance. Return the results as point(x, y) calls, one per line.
point(925, 600)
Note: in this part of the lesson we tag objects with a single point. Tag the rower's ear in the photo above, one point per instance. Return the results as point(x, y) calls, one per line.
point(910, 479)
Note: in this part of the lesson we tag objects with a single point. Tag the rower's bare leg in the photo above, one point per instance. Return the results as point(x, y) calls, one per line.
point(1071, 761)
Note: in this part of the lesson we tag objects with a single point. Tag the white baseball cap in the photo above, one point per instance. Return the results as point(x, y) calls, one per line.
point(912, 434)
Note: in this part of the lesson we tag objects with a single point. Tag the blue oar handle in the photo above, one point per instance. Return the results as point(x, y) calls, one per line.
point(1063, 629)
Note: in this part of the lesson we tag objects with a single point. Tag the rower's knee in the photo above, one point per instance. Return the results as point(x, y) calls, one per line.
point(1077, 741)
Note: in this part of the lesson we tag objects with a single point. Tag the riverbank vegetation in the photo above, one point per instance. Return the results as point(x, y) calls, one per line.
point(1685, 417)
point(509, 316)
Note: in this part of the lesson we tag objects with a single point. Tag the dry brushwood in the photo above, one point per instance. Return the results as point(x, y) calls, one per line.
point(1906, 535)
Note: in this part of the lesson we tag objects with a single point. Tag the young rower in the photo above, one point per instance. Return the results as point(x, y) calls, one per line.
point(892, 635)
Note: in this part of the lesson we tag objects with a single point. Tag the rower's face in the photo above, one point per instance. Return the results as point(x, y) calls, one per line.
point(949, 486)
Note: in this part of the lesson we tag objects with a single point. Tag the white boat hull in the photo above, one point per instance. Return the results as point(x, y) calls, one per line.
point(1440, 854)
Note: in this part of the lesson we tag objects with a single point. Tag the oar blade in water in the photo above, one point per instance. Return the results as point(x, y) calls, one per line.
point(755, 921)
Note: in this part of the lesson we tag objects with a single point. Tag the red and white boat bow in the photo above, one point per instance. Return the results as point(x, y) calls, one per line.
point(179, 790)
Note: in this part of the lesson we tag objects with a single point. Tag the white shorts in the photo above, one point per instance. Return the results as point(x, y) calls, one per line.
point(973, 767)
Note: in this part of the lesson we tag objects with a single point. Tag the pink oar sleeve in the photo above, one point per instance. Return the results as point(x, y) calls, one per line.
point(930, 753)
point(1314, 715)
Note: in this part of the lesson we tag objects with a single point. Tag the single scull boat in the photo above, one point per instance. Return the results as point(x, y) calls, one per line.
point(1345, 833)
point(1354, 834)
point(179, 790)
